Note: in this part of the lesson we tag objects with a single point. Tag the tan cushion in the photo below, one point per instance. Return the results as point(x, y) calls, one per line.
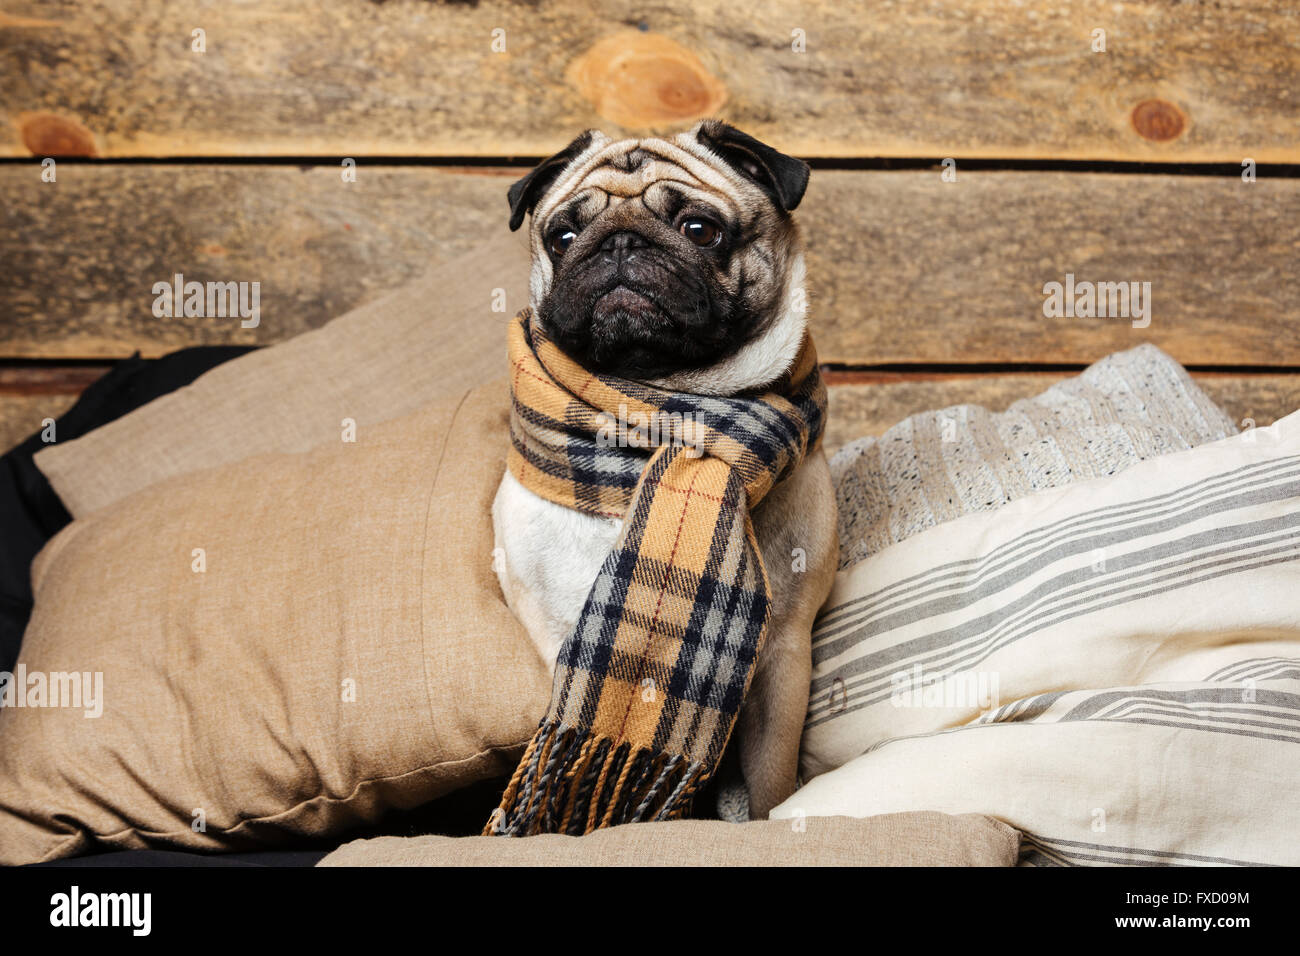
point(366, 562)
point(430, 339)
point(897, 839)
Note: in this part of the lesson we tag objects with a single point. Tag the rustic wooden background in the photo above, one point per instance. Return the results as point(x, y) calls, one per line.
point(224, 165)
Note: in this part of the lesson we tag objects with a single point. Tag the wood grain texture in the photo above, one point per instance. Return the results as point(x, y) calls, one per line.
point(903, 267)
point(48, 379)
point(872, 408)
point(960, 78)
point(21, 415)
point(84, 252)
point(907, 268)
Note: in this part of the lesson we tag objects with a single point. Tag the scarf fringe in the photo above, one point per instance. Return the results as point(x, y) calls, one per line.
point(572, 782)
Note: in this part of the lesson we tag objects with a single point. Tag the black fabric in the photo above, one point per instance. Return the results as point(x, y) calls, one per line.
point(30, 511)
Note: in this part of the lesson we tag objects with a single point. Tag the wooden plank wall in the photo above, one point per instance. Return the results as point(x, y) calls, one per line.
point(1122, 164)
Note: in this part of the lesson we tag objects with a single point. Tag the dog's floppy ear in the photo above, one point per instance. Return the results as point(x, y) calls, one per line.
point(525, 194)
point(782, 177)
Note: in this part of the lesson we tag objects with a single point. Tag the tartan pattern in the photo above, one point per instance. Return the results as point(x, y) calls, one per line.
point(649, 684)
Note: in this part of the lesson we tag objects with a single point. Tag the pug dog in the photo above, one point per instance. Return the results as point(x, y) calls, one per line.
point(677, 263)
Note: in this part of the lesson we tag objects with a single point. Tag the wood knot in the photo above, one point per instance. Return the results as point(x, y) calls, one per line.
point(1158, 120)
point(48, 135)
point(643, 80)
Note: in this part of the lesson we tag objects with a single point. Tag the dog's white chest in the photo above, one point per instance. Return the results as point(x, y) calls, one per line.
point(547, 558)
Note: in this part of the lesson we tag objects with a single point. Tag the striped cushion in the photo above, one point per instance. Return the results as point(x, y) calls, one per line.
point(1112, 667)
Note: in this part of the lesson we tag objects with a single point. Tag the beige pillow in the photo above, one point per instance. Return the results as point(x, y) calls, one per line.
point(355, 570)
point(430, 339)
point(896, 839)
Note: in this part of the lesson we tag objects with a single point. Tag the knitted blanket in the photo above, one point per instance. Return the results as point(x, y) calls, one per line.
point(939, 465)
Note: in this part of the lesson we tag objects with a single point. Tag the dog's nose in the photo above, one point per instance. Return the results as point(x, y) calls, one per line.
point(619, 246)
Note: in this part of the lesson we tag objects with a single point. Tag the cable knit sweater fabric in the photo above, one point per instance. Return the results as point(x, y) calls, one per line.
point(942, 464)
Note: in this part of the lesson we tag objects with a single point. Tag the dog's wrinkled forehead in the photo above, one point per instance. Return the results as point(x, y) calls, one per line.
point(710, 162)
point(648, 172)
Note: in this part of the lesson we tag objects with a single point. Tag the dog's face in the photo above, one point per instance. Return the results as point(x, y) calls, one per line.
point(674, 262)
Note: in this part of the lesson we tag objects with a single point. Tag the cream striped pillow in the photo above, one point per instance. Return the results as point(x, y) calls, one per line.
point(1112, 667)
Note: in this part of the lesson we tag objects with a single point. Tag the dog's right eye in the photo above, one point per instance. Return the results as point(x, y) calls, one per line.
point(701, 232)
point(560, 240)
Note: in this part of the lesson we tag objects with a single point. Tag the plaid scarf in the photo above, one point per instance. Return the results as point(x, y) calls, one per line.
point(650, 682)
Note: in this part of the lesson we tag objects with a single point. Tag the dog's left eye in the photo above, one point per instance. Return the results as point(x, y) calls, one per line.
point(701, 232)
point(560, 240)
